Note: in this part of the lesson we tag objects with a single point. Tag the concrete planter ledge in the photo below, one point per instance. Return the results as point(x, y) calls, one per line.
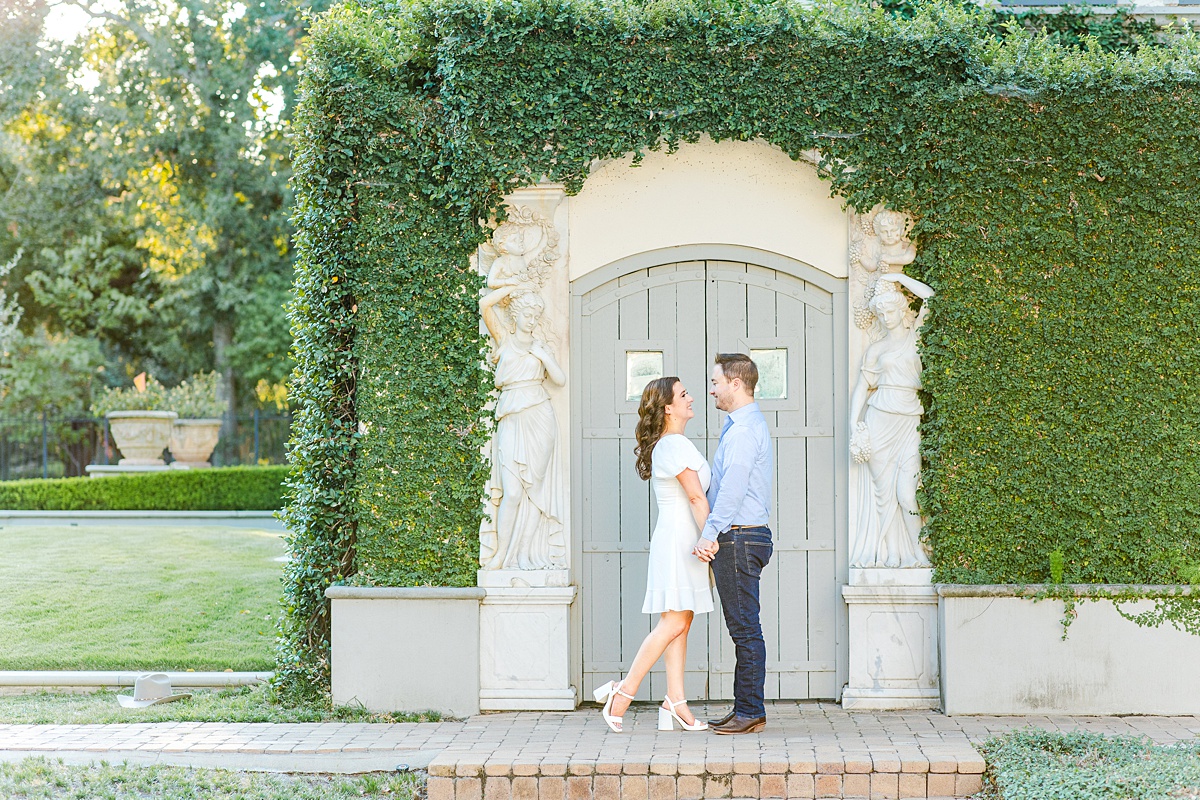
point(260, 520)
point(404, 593)
point(406, 648)
point(120, 679)
point(1002, 652)
point(1100, 590)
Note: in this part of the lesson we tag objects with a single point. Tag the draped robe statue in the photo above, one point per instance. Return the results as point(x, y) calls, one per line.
point(524, 526)
point(885, 412)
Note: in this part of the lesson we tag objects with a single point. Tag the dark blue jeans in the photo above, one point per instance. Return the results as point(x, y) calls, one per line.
point(737, 568)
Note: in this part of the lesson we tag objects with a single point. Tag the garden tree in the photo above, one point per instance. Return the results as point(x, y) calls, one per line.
point(152, 182)
point(10, 314)
point(49, 373)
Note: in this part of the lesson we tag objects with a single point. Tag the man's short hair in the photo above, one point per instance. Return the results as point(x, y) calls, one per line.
point(740, 366)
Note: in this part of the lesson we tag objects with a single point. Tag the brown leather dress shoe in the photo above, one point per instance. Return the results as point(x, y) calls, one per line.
point(712, 723)
point(741, 725)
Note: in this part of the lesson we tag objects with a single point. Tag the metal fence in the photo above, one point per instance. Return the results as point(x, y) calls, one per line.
point(50, 447)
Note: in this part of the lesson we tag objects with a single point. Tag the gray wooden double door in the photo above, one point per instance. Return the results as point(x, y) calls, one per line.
point(670, 319)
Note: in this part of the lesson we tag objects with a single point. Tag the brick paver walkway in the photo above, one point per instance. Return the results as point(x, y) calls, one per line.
point(807, 750)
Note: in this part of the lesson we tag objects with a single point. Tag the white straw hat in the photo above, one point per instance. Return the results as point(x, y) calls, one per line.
point(150, 689)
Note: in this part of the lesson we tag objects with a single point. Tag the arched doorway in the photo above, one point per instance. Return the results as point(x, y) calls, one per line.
point(668, 312)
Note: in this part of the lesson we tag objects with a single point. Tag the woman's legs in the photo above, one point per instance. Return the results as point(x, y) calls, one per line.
point(670, 626)
point(675, 659)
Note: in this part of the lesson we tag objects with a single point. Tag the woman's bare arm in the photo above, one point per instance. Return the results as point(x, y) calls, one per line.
point(690, 482)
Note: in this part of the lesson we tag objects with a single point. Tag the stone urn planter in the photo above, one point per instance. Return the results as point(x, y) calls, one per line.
point(192, 442)
point(141, 436)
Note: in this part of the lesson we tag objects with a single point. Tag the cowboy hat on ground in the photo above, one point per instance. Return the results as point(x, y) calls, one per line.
point(150, 689)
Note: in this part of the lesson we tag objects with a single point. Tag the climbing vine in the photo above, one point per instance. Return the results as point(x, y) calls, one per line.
point(1053, 188)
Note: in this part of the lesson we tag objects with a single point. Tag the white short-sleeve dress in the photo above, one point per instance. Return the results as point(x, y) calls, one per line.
point(676, 580)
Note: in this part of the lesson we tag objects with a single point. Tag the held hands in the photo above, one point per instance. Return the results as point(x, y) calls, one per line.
point(705, 550)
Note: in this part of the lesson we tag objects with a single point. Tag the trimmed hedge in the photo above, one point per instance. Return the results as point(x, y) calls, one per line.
point(221, 489)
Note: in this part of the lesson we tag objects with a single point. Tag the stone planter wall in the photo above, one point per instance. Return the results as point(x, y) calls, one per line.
point(406, 649)
point(1004, 654)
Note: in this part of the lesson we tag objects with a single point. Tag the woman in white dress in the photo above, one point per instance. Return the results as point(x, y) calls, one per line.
point(679, 585)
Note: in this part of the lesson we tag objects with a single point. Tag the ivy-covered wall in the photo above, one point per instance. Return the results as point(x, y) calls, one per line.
point(1053, 188)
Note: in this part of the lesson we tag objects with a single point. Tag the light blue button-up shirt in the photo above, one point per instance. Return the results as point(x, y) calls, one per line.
point(740, 491)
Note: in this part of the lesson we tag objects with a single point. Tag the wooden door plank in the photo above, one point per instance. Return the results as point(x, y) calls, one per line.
point(726, 325)
point(790, 463)
point(791, 471)
point(727, 321)
point(601, 488)
point(822, 567)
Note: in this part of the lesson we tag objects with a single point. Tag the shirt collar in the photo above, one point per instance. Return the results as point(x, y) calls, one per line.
point(745, 411)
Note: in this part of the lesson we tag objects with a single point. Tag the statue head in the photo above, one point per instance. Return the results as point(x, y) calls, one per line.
point(526, 309)
point(509, 239)
point(890, 226)
point(890, 307)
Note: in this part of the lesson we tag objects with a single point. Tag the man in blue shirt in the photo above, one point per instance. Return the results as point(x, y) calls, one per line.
point(736, 537)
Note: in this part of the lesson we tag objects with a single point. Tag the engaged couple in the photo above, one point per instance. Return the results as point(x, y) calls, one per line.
point(707, 518)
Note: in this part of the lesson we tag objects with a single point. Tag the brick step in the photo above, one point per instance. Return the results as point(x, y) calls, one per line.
point(458, 776)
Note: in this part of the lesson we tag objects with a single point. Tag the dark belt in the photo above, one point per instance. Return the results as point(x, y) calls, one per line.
point(748, 527)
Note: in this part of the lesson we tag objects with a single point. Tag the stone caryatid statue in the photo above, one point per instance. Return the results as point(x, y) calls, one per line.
point(885, 444)
point(523, 528)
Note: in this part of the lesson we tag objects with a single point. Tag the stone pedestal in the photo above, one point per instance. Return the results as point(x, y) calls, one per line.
point(525, 646)
point(893, 640)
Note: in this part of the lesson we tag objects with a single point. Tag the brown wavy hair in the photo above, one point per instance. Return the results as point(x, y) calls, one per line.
point(652, 420)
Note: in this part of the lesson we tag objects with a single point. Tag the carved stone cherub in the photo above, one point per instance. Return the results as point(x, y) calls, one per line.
point(879, 246)
point(521, 252)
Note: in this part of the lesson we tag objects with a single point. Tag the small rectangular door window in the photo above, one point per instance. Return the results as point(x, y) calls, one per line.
point(772, 373)
point(641, 367)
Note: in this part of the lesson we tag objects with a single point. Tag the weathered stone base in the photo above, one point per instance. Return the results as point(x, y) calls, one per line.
point(890, 699)
point(893, 642)
point(525, 648)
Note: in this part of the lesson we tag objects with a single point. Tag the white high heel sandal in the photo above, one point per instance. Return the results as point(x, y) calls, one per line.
point(605, 694)
point(667, 717)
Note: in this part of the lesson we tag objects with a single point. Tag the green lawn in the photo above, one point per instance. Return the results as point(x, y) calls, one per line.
point(244, 704)
point(43, 778)
point(138, 597)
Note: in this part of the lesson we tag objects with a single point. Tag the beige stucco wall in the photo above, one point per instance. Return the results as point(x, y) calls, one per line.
point(744, 193)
